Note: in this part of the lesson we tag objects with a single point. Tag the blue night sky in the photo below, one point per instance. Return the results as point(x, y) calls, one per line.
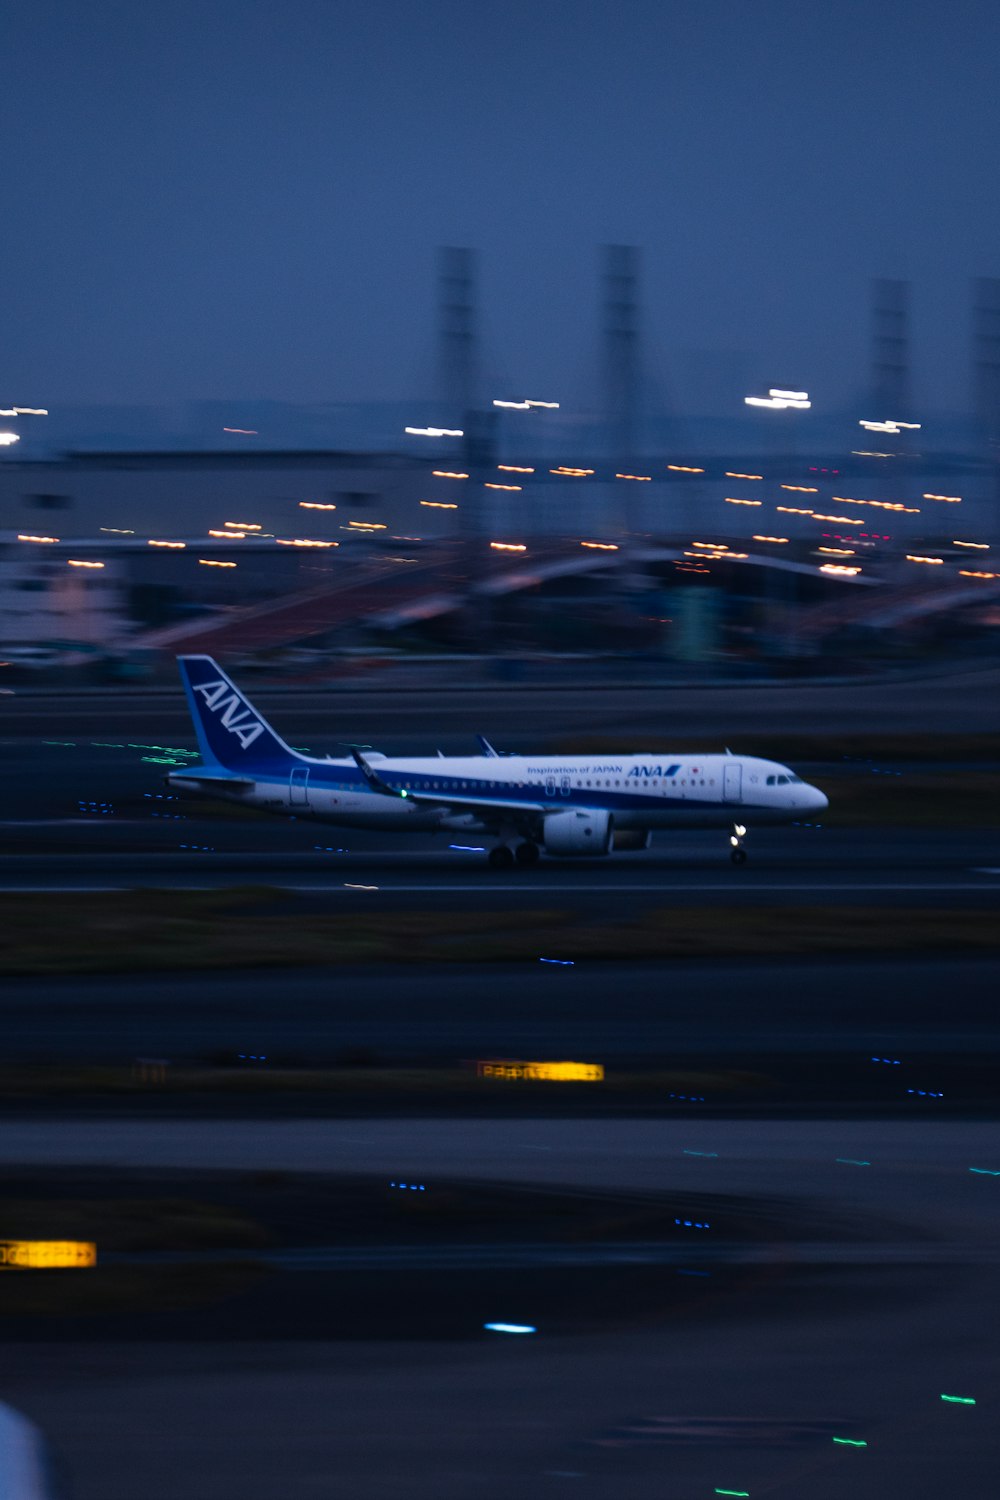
point(232, 198)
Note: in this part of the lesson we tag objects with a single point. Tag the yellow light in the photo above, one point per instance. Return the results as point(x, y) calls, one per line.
point(915, 557)
point(565, 471)
point(76, 562)
point(948, 499)
point(731, 501)
point(315, 505)
point(838, 551)
point(793, 510)
point(47, 1255)
point(439, 504)
point(844, 520)
point(837, 568)
point(770, 538)
point(209, 562)
point(447, 474)
point(514, 469)
point(244, 525)
point(601, 546)
point(24, 536)
point(980, 546)
point(730, 475)
point(684, 469)
point(715, 546)
point(502, 486)
point(508, 546)
point(547, 1072)
point(365, 526)
point(166, 544)
point(641, 477)
point(230, 535)
point(970, 573)
point(801, 489)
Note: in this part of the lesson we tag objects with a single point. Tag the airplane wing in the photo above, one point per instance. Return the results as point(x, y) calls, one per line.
point(461, 803)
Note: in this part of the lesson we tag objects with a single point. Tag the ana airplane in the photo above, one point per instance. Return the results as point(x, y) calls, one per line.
point(570, 805)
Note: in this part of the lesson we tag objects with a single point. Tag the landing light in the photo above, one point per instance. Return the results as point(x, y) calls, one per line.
point(741, 830)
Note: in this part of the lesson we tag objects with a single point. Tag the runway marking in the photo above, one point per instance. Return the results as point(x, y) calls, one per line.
point(429, 887)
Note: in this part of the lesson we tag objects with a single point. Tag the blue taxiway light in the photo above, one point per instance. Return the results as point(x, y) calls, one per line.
point(510, 1327)
point(566, 963)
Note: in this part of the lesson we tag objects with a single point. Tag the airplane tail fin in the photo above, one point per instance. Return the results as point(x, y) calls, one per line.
point(232, 735)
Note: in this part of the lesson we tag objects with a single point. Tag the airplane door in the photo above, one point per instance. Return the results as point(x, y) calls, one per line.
point(298, 786)
point(550, 786)
point(564, 786)
point(732, 781)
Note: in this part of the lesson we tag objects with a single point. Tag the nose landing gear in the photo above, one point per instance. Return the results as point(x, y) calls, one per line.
point(737, 853)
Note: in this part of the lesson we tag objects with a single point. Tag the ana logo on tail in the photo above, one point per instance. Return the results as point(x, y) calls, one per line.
point(233, 712)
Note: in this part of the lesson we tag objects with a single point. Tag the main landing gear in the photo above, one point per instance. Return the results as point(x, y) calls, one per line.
point(737, 853)
point(503, 858)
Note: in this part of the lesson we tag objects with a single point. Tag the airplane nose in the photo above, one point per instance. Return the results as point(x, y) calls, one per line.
point(818, 800)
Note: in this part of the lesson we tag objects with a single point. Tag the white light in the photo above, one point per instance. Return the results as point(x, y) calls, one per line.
point(740, 830)
point(513, 405)
point(889, 426)
point(7, 438)
point(778, 403)
point(545, 405)
point(788, 395)
point(23, 411)
point(435, 431)
point(510, 1327)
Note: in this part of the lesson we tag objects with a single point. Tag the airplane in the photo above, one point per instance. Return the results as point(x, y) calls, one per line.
point(563, 805)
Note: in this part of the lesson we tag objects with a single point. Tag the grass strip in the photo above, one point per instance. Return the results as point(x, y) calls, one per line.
point(156, 931)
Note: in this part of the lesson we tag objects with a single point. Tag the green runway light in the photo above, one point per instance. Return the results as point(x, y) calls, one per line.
point(699, 1153)
point(849, 1161)
point(984, 1172)
point(733, 1492)
point(960, 1400)
point(70, 743)
point(852, 1442)
point(106, 745)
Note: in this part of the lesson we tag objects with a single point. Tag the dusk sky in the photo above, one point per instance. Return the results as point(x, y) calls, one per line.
point(232, 198)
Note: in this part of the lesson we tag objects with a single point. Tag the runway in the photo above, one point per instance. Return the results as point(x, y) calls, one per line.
point(773, 1351)
point(645, 1014)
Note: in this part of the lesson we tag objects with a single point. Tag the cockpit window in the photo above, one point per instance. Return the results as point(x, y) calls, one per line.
point(782, 780)
point(797, 779)
point(771, 780)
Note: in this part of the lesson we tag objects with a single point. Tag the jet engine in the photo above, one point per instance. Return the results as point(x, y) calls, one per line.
point(578, 831)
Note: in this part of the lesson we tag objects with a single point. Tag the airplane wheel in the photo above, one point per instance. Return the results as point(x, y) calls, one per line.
point(738, 857)
point(501, 858)
point(527, 854)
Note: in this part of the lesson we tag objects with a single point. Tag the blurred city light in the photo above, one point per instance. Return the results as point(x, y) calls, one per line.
point(152, 543)
point(209, 562)
point(315, 505)
point(837, 568)
point(7, 438)
point(889, 426)
point(948, 499)
point(601, 546)
point(514, 469)
point(440, 504)
point(502, 487)
point(684, 469)
point(24, 536)
point(634, 476)
point(435, 432)
point(779, 400)
point(448, 474)
point(731, 475)
point(915, 557)
point(508, 546)
point(77, 562)
point(731, 501)
point(23, 411)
